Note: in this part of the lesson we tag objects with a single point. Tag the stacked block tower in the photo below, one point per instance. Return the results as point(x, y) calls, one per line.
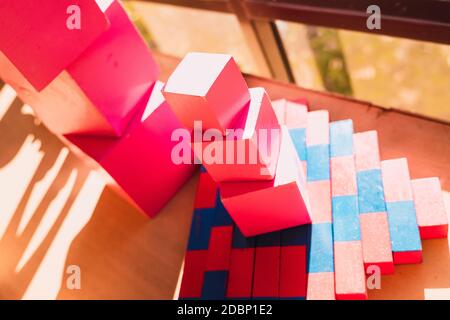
point(288, 206)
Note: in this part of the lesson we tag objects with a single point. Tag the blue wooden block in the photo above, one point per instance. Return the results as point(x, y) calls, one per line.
point(403, 227)
point(298, 136)
point(370, 191)
point(222, 217)
point(202, 168)
point(239, 241)
point(321, 250)
point(341, 138)
point(215, 285)
point(296, 236)
point(271, 239)
point(346, 218)
point(318, 164)
point(202, 223)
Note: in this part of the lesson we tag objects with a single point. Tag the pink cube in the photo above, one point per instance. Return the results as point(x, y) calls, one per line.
point(251, 151)
point(39, 38)
point(141, 161)
point(293, 114)
point(97, 94)
point(209, 88)
point(265, 206)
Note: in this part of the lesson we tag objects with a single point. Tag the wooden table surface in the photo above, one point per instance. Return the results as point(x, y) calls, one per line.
point(57, 214)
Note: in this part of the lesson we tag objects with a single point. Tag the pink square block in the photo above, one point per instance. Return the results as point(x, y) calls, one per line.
point(97, 94)
point(376, 241)
point(290, 113)
point(319, 194)
point(320, 286)
point(250, 152)
point(343, 176)
point(349, 272)
point(209, 88)
point(141, 161)
point(366, 150)
point(35, 37)
point(430, 208)
point(318, 128)
point(264, 206)
point(396, 180)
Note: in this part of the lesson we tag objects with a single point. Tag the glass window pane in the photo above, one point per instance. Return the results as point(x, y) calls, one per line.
point(177, 30)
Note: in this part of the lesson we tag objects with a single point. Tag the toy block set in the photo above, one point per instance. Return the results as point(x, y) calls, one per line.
point(289, 205)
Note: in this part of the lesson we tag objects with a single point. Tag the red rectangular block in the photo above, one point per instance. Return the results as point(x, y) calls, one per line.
point(293, 272)
point(98, 92)
point(141, 172)
point(207, 87)
point(193, 274)
point(376, 241)
point(265, 206)
point(206, 194)
point(266, 276)
point(250, 150)
point(219, 249)
point(38, 36)
point(349, 275)
point(430, 208)
point(240, 274)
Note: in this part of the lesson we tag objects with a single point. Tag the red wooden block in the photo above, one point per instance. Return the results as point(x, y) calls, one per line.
point(430, 208)
point(219, 248)
point(35, 37)
point(251, 151)
point(259, 207)
point(407, 257)
point(266, 274)
point(138, 170)
point(193, 274)
point(206, 192)
point(240, 274)
point(320, 286)
point(376, 242)
point(293, 272)
point(98, 92)
point(209, 88)
point(349, 275)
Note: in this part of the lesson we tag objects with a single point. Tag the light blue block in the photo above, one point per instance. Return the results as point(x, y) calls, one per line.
point(346, 218)
point(318, 163)
point(298, 136)
point(341, 138)
point(321, 252)
point(403, 227)
point(370, 191)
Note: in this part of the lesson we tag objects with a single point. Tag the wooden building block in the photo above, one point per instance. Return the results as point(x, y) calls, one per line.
point(404, 231)
point(207, 87)
point(36, 38)
point(265, 206)
point(430, 208)
point(292, 114)
point(193, 274)
point(100, 91)
point(250, 152)
point(207, 190)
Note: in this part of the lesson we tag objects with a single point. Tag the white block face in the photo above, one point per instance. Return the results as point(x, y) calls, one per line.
point(196, 73)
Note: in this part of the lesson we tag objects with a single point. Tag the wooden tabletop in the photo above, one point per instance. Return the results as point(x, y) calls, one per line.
point(59, 216)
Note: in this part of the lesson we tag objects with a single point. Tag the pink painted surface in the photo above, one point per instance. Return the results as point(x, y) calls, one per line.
point(290, 113)
point(141, 161)
point(396, 180)
point(366, 150)
point(209, 88)
point(319, 193)
point(318, 128)
point(97, 94)
point(376, 242)
point(320, 286)
point(263, 206)
point(343, 176)
point(349, 271)
point(430, 208)
point(35, 38)
point(251, 153)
